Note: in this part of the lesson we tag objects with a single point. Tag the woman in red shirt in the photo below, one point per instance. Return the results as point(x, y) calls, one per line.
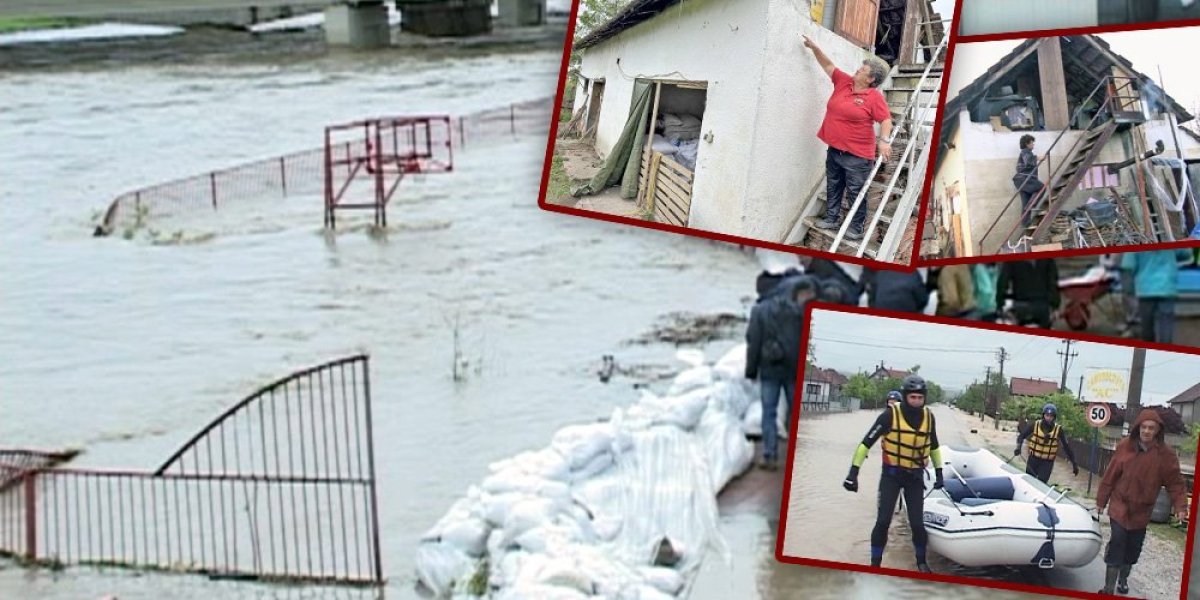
point(849, 129)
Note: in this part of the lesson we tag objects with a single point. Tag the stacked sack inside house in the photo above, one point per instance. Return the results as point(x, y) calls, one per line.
point(622, 509)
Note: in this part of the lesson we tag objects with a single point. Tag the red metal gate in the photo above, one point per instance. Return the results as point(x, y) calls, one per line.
point(382, 153)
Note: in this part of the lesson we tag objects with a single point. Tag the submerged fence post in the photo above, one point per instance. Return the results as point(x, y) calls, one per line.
point(212, 185)
point(29, 480)
point(283, 175)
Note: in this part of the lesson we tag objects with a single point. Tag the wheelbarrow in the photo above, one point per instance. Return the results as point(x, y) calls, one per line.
point(1080, 293)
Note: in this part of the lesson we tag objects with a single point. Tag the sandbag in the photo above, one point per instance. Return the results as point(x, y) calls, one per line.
point(599, 464)
point(695, 377)
point(579, 444)
point(663, 579)
point(439, 565)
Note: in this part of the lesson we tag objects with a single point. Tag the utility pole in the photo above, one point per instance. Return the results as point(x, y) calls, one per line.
point(987, 397)
point(1003, 356)
point(1067, 356)
point(1133, 402)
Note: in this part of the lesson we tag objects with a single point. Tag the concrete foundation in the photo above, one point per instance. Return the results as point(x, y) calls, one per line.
point(520, 13)
point(363, 25)
point(444, 18)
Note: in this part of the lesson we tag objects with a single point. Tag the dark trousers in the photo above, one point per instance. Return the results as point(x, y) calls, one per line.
point(1124, 545)
point(894, 481)
point(1026, 199)
point(1039, 467)
point(1158, 319)
point(845, 174)
point(1037, 313)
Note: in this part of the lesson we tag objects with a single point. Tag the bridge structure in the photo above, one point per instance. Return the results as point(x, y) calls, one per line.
point(354, 23)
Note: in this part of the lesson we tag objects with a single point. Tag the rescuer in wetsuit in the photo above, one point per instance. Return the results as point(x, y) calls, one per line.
point(909, 440)
point(1045, 438)
point(893, 397)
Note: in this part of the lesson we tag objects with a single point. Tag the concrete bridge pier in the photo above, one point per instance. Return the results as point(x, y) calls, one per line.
point(444, 18)
point(358, 24)
point(520, 13)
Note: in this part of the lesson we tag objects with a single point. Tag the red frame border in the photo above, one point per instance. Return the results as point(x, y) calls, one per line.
point(938, 577)
point(955, 40)
point(720, 237)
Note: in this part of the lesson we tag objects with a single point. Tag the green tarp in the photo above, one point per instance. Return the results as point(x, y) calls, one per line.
point(622, 163)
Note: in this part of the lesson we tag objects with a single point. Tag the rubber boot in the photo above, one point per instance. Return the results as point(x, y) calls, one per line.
point(876, 556)
point(1123, 579)
point(1110, 579)
point(919, 550)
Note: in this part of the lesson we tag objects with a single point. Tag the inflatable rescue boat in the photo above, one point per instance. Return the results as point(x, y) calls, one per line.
point(991, 513)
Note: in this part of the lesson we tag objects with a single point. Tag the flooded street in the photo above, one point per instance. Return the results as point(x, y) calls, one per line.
point(820, 510)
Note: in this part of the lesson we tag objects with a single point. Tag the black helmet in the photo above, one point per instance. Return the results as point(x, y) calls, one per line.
point(913, 384)
point(1050, 409)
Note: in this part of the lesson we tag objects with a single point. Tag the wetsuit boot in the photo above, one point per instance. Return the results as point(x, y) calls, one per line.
point(876, 556)
point(1123, 579)
point(1110, 579)
point(920, 552)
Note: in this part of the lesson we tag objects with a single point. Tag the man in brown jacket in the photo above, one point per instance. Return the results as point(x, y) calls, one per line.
point(956, 292)
point(1141, 464)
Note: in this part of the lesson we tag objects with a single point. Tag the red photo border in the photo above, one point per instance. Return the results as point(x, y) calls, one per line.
point(955, 40)
point(939, 577)
point(922, 213)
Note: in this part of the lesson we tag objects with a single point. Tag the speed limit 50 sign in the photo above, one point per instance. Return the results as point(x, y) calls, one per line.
point(1098, 414)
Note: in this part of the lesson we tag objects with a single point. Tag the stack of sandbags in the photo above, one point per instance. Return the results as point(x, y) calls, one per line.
point(624, 508)
point(680, 127)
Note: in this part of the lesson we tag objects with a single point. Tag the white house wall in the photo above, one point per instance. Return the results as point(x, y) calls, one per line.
point(951, 171)
point(787, 159)
point(1161, 130)
point(717, 41)
point(993, 16)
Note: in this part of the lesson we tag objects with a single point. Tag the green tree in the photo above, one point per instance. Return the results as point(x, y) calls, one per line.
point(594, 13)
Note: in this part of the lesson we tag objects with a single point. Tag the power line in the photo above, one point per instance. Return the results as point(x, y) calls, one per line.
point(893, 346)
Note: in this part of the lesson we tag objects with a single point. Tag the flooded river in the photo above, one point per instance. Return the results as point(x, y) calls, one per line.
point(124, 349)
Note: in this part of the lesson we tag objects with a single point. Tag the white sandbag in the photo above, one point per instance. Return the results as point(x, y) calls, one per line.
point(729, 452)
point(662, 146)
point(598, 465)
point(695, 377)
point(579, 444)
point(649, 592)
point(527, 514)
point(733, 397)
point(690, 121)
point(459, 511)
point(733, 364)
point(685, 411)
point(545, 463)
point(439, 565)
point(671, 119)
point(752, 420)
point(494, 508)
point(665, 580)
point(513, 482)
point(565, 573)
point(539, 592)
point(690, 356)
point(469, 535)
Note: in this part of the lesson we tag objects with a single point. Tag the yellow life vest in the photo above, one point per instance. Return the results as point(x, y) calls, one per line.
point(904, 446)
point(1044, 446)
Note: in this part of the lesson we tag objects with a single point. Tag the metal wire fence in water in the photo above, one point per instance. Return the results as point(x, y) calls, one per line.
point(299, 173)
point(280, 487)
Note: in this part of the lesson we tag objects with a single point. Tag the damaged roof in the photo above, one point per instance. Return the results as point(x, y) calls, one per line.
point(1080, 53)
point(635, 12)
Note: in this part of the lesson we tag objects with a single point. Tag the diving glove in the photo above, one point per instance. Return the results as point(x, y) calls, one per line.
point(851, 482)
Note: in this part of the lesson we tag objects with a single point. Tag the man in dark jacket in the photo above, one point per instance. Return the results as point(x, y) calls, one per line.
point(773, 355)
point(830, 272)
point(1034, 290)
point(1141, 464)
point(895, 290)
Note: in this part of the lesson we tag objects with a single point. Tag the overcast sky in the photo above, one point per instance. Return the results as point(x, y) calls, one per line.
point(1169, 48)
point(955, 356)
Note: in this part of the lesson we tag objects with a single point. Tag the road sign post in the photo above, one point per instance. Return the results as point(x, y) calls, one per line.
point(1097, 415)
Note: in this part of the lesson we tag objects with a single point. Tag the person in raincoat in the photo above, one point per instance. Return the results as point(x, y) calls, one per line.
point(1141, 464)
point(1156, 284)
point(910, 440)
point(773, 354)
